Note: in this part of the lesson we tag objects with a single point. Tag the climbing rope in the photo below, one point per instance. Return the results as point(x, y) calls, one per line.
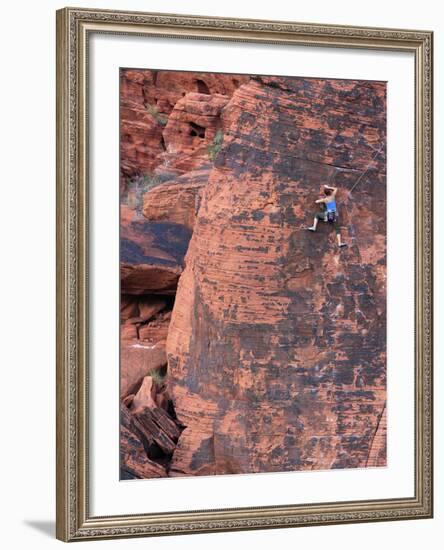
point(351, 231)
point(351, 226)
point(367, 169)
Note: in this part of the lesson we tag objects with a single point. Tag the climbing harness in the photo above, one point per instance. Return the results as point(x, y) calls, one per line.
point(332, 216)
point(329, 214)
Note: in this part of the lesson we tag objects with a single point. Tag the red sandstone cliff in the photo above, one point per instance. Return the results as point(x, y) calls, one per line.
point(163, 115)
point(169, 135)
point(276, 346)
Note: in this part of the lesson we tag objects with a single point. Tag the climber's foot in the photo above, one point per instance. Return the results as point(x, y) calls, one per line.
point(311, 228)
point(342, 245)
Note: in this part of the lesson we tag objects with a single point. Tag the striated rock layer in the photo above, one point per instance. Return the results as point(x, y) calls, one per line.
point(176, 202)
point(276, 347)
point(148, 98)
point(169, 134)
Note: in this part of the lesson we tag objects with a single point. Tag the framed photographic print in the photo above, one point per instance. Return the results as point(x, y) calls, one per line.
point(244, 274)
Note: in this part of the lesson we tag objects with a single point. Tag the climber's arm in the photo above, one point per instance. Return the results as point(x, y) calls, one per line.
point(319, 201)
point(334, 189)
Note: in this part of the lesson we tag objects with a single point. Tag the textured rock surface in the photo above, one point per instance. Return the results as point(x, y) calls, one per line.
point(134, 461)
point(151, 256)
point(142, 278)
point(147, 98)
point(176, 202)
point(276, 344)
point(145, 396)
point(169, 125)
point(191, 130)
point(155, 330)
point(136, 360)
point(277, 341)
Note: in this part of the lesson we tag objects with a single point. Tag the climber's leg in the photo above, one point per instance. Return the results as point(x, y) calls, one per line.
point(338, 236)
point(317, 217)
point(315, 224)
point(340, 243)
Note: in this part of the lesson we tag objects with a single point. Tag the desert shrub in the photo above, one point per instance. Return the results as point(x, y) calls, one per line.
point(136, 188)
point(216, 144)
point(154, 112)
point(157, 376)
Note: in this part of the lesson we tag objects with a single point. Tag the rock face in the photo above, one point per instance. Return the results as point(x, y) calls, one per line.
point(276, 347)
point(134, 461)
point(275, 338)
point(134, 442)
point(151, 256)
point(176, 202)
point(192, 129)
point(169, 136)
point(148, 97)
point(137, 359)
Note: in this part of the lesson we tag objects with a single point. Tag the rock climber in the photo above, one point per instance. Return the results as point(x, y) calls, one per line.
point(329, 213)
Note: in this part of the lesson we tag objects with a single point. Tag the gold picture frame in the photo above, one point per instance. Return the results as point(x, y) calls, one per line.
point(74, 521)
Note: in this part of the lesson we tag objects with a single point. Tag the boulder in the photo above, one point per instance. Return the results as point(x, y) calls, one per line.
point(151, 257)
point(154, 428)
point(136, 361)
point(149, 278)
point(177, 201)
point(158, 428)
point(145, 396)
point(134, 463)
